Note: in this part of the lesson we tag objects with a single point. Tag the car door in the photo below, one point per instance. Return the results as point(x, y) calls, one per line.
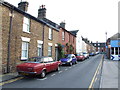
point(53, 64)
point(47, 64)
point(73, 58)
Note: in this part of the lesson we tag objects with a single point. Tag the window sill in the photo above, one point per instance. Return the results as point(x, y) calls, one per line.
point(27, 32)
point(50, 39)
point(23, 58)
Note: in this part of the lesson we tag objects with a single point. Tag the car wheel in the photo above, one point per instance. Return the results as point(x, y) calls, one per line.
point(70, 63)
point(75, 62)
point(58, 68)
point(43, 74)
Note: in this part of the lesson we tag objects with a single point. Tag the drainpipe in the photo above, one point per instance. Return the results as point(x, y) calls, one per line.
point(9, 40)
point(43, 39)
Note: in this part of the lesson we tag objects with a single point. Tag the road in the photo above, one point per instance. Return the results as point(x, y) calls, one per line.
point(85, 74)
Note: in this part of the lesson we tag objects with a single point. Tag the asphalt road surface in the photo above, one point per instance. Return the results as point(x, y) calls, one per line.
point(85, 74)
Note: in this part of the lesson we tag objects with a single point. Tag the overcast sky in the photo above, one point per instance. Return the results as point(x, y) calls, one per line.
point(91, 17)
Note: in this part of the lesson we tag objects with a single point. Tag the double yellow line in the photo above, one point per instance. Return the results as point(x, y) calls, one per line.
point(10, 81)
point(99, 66)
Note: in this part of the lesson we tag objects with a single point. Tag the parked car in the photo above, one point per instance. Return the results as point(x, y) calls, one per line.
point(80, 57)
point(69, 59)
point(97, 53)
point(38, 66)
point(86, 55)
point(92, 54)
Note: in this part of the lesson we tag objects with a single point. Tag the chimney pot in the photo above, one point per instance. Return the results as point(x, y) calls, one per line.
point(42, 12)
point(23, 5)
point(62, 24)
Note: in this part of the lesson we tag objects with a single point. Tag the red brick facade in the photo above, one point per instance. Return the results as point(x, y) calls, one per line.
point(68, 42)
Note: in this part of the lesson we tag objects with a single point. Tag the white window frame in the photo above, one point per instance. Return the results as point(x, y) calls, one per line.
point(25, 51)
point(63, 35)
point(26, 25)
point(50, 34)
point(50, 51)
point(25, 40)
point(39, 49)
point(40, 46)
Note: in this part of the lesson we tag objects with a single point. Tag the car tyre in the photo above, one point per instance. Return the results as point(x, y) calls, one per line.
point(43, 74)
point(70, 63)
point(76, 62)
point(58, 68)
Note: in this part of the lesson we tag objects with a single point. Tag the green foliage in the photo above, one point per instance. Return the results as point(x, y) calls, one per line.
point(71, 48)
point(60, 51)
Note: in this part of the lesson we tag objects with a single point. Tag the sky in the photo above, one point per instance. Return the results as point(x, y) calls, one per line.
point(91, 17)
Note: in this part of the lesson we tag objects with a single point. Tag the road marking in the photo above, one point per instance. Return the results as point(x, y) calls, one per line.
point(10, 81)
point(53, 75)
point(73, 65)
point(42, 79)
point(66, 69)
point(91, 84)
point(95, 79)
point(60, 71)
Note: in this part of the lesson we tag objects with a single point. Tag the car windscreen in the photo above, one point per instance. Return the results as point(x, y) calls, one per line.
point(77, 54)
point(68, 56)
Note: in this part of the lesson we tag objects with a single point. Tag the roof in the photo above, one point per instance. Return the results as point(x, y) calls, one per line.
point(74, 32)
point(51, 23)
point(45, 21)
point(115, 36)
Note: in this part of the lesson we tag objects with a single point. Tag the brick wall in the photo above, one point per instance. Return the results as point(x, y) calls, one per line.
point(53, 41)
point(0, 39)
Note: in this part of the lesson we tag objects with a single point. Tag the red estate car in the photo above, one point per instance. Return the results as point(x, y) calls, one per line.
point(38, 66)
point(80, 57)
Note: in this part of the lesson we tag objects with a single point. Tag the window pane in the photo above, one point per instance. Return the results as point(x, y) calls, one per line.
point(50, 59)
point(63, 35)
point(25, 49)
point(112, 50)
point(116, 50)
point(119, 50)
point(50, 51)
point(50, 33)
point(26, 20)
point(26, 24)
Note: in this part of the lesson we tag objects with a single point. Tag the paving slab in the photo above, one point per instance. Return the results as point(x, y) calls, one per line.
point(109, 77)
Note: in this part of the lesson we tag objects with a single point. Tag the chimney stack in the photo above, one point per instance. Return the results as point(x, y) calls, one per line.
point(42, 12)
point(62, 24)
point(23, 5)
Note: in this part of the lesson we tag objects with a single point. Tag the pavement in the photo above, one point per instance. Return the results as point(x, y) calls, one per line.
point(9, 76)
point(110, 71)
point(109, 77)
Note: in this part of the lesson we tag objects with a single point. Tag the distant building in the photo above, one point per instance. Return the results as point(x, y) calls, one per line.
point(86, 46)
point(113, 47)
point(100, 47)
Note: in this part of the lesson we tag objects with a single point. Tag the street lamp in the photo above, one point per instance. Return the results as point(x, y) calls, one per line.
point(106, 35)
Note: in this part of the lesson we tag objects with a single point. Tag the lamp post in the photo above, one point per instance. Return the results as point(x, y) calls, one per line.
point(106, 45)
point(106, 35)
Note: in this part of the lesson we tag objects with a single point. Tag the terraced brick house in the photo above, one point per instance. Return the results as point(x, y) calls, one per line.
point(24, 36)
point(67, 39)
